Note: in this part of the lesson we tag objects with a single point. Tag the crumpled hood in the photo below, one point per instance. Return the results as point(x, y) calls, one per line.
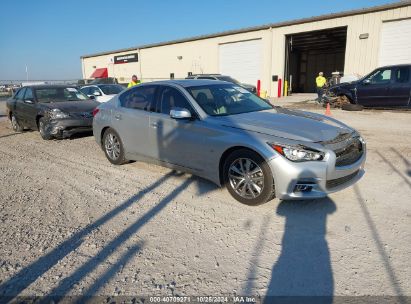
point(73, 106)
point(290, 124)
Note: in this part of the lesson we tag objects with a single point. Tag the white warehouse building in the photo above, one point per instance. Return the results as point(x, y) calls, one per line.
point(352, 42)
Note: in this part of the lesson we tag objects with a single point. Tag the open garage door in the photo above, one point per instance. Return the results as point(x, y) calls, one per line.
point(309, 53)
point(395, 46)
point(241, 60)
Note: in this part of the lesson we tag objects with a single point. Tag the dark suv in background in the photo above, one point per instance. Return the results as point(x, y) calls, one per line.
point(248, 87)
point(388, 86)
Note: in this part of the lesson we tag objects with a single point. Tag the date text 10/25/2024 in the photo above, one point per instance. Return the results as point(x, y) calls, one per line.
point(203, 299)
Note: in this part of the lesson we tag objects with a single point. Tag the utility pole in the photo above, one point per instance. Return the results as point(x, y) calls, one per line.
point(27, 73)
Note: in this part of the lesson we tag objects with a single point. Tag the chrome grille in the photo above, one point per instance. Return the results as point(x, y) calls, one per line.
point(349, 154)
point(347, 148)
point(332, 183)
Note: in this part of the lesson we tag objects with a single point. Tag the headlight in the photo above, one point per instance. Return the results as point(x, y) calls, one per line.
point(57, 114)
point(297, 154)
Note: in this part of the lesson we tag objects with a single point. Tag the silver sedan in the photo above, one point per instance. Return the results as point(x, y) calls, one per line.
point(223, 133)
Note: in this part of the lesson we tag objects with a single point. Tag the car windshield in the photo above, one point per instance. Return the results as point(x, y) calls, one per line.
point(227, 99)
point(229, 79)
point(59, 94)
point(111, 89)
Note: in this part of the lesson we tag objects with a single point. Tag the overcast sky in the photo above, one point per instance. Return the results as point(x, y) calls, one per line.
point(50, 36)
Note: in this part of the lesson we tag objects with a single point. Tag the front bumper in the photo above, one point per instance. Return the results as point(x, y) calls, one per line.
point(65, 128)
point(316, 178)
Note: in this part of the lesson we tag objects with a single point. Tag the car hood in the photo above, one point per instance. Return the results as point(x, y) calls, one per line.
point(73, 106)
point(345, 85)
point(290, 124)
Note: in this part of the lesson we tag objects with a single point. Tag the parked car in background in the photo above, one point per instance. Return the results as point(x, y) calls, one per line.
point(102, 92)
point(248, 87)
point(226, 134)
point(388, 87)
point(107, 80)
point(55, 110)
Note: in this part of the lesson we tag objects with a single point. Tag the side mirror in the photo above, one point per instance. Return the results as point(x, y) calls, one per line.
point(29, 101)
point(366, 81)
point(180, 113)
point(97, 93)
point(91, 96)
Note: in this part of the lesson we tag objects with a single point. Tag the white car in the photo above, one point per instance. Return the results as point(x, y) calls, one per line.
point(102, 92)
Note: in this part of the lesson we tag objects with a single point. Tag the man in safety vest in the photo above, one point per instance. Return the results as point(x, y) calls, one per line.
point(134, 81)
point(320, 82)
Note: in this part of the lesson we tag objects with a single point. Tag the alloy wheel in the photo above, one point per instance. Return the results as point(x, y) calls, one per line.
point(112, 146)
point(14, 123)
point(246, 178)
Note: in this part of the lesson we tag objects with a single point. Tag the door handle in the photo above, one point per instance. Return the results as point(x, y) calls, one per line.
point(154, 125)
point(117, 116)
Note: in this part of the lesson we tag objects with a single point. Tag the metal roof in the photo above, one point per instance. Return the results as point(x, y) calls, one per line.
point(262, 27)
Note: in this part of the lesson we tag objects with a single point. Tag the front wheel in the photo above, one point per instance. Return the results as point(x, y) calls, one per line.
point(248, 177)
point(113, 147)
point(45, 129)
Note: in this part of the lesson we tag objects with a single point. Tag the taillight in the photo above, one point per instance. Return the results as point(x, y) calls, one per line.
point(95, 111)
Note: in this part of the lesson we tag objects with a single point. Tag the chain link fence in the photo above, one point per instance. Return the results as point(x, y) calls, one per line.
point(7, 87)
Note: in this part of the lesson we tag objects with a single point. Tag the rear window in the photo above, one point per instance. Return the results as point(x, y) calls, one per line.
point(111, 89)
point(402, 75)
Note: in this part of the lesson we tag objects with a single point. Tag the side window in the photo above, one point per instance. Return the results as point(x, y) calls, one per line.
point(171, 98)
point(93, 90)
point(380, 76)
point(85, 90)
point(20, 94)
point(140, 97)
point(29, 94)
point(402, 75)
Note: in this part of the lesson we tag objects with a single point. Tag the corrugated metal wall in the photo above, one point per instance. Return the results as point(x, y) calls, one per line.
point(202, 55)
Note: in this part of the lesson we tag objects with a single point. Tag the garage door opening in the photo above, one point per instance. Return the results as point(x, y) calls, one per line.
point(309, 53)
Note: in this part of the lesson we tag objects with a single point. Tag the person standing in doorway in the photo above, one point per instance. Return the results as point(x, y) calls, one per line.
point(320, 82)
point(134, 81)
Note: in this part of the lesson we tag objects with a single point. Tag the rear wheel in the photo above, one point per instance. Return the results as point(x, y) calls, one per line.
point(15, 124)
point(248, 177)
point(113, 147)
point(45, 129)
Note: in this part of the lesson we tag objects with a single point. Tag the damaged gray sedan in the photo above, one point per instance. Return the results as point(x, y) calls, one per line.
point(57, 111)
point(224, 133)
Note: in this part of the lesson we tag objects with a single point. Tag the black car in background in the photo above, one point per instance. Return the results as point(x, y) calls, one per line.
point(248, 87)
point(55, 110)
point(388, 86)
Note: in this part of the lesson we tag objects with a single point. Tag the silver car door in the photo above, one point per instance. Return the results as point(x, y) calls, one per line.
point(131, 120)
point(181, 142)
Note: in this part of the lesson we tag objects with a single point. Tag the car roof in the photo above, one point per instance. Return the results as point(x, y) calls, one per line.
point(186, 83)
point(100, 84)
point(49, 86)
point(395, 65)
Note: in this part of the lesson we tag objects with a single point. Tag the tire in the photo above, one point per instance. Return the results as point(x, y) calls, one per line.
point(113, 147)
point(15, 124)
point(250, 189)
point(352, 107)
point(44, 129)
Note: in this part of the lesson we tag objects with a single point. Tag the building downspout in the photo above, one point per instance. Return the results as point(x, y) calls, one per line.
point(83, 68)
point(139, 58)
